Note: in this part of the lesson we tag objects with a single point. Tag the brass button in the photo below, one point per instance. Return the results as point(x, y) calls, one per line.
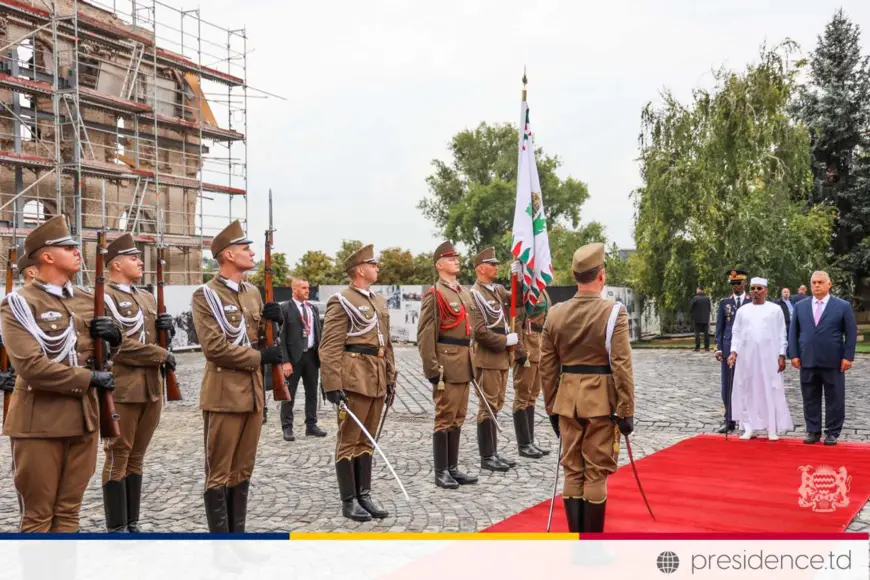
point(53, 326)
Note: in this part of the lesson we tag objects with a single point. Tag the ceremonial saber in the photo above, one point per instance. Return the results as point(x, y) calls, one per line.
point(637, 477)
point(728, 400)
point(345, 408)
point(555, 483)
point(485, 402)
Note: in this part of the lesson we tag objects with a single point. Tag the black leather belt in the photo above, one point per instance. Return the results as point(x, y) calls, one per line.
point(456, 341)
point(587, 369)
point(499, 330)
point(537, 328)
point(362, 349)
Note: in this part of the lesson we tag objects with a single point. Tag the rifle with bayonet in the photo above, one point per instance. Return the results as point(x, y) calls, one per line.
point(109, 427)
point(279, 387)
point(173, 393)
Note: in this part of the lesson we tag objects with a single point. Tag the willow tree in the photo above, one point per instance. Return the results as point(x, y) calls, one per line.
point(726, 180)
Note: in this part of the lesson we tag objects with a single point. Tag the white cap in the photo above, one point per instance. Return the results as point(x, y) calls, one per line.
point(758, 281)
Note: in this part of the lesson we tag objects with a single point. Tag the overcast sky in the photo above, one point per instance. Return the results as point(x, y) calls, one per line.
point(376, 90)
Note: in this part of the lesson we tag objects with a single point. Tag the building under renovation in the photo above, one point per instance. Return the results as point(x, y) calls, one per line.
point(124, 115)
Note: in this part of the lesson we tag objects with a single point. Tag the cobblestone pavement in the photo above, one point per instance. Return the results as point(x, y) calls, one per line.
point(294, 486)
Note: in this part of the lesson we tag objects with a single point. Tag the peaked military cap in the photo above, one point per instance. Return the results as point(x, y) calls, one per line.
point(231, 235)
point(24, 261)
point(445, 250)
point(123, 246)
point(588, 257)
point(737, 275)
point(365, 255)
point(51, 233)
point(487, 256)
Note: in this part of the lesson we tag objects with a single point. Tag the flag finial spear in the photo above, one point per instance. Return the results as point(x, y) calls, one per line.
point(525, 81)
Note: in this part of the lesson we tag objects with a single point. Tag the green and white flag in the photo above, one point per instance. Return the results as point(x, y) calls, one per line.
point(530, 244)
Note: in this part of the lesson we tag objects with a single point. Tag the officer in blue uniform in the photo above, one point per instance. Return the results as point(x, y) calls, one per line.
point(724, 321)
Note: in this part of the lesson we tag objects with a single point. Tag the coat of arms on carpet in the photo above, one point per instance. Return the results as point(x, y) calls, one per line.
point(823, 489)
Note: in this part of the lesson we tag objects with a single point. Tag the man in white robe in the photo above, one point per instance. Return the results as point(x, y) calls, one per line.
point(758, 349)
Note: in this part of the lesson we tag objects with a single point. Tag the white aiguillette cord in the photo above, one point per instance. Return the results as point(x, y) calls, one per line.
point(237, 334)
point(134, 323)
point(489, 310)
point(55, 347)
point(359, 324)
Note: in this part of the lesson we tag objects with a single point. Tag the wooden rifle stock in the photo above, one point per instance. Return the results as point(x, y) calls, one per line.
point(108, 416)
point(173, 393)
point(279, 388)
point(4, 356)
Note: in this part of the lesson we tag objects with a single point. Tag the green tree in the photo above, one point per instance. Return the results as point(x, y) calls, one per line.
point(618, 268)
point(396, 266)
point(726, 181)
point(338, 275)
point(280, 271)
point(564, 242)
point(314, 266)
point(472, 198)
point(424, 271)
point(835, 105)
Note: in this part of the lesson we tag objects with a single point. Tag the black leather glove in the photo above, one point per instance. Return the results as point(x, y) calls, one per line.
point(272, 311)
point(170, 361)
point(103, 327)
point(554, 421)
point(391, 395)
point(103, 380)
point(335, 397)
point(521, 361)
point(435, 380)
point(7, 382)
point(626, 425)
point(167, 323)
point(272, 356)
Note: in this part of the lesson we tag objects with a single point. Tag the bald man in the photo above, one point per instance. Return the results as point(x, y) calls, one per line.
point(822, 339)
point(301, 340)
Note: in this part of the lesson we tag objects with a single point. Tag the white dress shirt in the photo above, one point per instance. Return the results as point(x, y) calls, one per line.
point(308, 320)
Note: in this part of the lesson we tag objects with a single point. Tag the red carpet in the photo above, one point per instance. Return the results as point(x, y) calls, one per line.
point(705, 484)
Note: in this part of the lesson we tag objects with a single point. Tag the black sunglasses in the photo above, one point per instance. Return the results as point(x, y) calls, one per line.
point(757, 288)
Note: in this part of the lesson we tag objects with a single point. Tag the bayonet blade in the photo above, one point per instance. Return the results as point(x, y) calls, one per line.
point(270, 210)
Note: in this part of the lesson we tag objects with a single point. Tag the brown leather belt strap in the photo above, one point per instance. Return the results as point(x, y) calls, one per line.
point(587, 369)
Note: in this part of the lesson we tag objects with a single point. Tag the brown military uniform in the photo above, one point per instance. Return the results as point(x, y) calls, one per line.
point(361, 366)
point(53, 418)
point(444, 333)
point(527, 376)
point(232, 394)
point(586, 390)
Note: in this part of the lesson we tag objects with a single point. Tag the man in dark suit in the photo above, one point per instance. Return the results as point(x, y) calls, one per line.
point(300, 340)
point(724, 321)
point(787, 310)
point(801, 295)
point(699, 309)
point(822, 341)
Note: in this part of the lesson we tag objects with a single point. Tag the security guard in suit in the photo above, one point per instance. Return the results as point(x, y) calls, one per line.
point(724, 321)
point(357, 368)
point(138, 388)
point(227, 315)
point(50, 330)
point(588, 382)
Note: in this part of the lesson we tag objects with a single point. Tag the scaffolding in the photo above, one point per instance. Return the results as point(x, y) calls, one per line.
point(109, 114)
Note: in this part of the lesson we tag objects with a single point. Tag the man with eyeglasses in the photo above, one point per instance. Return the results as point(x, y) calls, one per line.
point(724, 323)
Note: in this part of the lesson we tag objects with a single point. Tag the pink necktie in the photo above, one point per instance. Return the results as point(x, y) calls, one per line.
point(818, 311)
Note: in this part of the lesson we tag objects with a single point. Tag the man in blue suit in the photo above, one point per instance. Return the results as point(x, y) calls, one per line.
point(822, 340)
point(724, 321)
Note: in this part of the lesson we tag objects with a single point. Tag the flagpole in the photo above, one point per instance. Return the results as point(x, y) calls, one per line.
point(513, 274)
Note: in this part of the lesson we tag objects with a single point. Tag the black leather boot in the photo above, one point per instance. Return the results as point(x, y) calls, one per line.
point(488, 460)
point(524, 443)
point(134, 496)
point(362, 472)
point(350, 507)
point(215, 499)
point(593, 517)
point(443, 478)
point(453, 458)
point(574, 512)
point(493, 433)
point(237, 507)
point(115, 506)
point(530, 418)
point(287, 421)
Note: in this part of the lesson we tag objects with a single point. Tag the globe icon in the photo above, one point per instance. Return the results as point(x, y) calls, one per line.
point(668, 562)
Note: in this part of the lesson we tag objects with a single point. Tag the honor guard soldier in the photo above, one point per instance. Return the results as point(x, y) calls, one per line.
point(492, 358)
point(27, 268)
point(227, 314)
point(588, 382)
point(359, 370)
point(444, 336)
point(50, 331)
point(724, 321)
point(138, 388)
point(527, 376)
